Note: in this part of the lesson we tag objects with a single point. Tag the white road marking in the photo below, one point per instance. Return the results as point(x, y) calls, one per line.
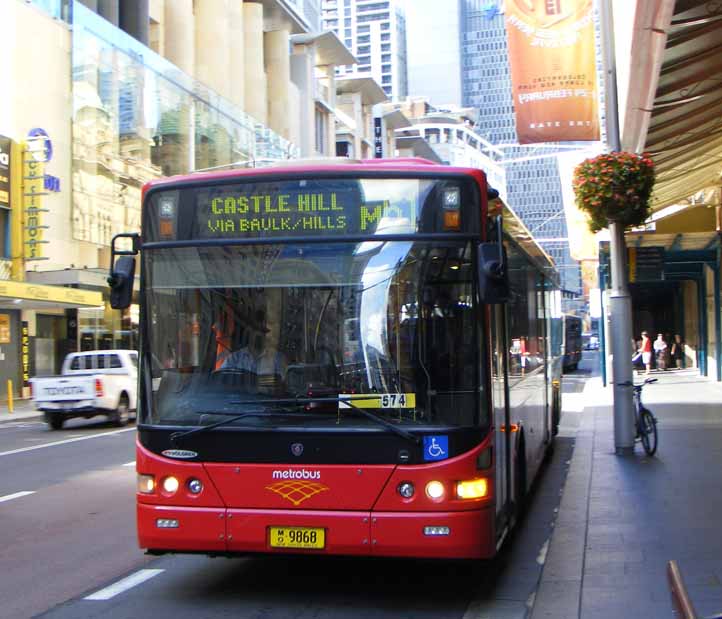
point(65, 442)
point(123, 585)
point(130, 463)
point(16, 495)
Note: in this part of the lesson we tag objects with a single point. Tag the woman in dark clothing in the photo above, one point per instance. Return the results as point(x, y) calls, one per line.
point(677, 351)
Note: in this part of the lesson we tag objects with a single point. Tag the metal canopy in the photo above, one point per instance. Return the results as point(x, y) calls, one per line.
point(685, 131)
point(689, 241)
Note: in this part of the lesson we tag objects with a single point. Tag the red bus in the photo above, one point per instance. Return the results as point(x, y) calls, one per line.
point(331, 361)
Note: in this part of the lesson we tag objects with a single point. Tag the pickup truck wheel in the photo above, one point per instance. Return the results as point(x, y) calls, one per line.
point(54, 420)
point(120, 416)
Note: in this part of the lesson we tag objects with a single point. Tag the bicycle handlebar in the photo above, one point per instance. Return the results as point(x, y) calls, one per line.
point(631, 384)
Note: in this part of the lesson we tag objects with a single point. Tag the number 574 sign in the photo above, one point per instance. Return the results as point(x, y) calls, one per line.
point(378, 400)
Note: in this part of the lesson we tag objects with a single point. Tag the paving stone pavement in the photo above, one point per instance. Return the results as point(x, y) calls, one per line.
point(622, 518)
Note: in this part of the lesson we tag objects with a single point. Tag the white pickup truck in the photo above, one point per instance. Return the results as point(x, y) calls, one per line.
point(96, 382)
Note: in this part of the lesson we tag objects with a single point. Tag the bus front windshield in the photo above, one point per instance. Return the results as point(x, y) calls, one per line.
point(254, 327)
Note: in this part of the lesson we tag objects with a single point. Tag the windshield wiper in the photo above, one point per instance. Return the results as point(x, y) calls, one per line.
point(176, 436)
point(346, 400)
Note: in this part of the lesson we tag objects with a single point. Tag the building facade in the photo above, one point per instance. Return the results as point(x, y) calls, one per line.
point(129, 91)
point(434, 68)
point(533, 187)
point(375, 31)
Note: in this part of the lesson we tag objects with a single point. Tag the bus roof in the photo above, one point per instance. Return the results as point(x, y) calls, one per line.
point(513, 225)
point(331, 164)
point(517, 230)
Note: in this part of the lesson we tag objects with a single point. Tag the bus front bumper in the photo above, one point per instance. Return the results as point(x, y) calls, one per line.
point(457, 535)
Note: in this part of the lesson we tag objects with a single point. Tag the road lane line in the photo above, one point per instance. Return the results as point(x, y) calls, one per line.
point(65, 442)
point(123, 585)
point(130, 463)
point(16, 495)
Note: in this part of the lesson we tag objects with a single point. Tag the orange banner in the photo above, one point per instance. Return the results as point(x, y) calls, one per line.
point(553, 72)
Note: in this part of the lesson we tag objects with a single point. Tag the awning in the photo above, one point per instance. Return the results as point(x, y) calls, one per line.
point(685, 116)
point(22, 295)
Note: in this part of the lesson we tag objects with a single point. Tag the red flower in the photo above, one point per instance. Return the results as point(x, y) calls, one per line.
point(615, 186)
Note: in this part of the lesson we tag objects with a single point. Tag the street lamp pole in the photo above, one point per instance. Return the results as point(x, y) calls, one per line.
point(620, 302)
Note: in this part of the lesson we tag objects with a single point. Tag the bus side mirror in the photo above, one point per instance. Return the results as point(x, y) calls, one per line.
point(493, 278)
point(121, 282)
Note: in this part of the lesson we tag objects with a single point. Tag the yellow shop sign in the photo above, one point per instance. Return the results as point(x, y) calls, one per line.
point(52, 294)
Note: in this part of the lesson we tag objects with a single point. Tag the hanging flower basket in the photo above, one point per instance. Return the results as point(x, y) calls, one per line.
point(614, 187)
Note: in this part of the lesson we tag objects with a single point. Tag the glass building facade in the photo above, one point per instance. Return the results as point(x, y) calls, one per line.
point(137, 117)
point(533, 187)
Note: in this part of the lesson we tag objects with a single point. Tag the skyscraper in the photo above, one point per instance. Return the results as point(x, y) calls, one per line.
point(434, 67)
point(375, 31)
point(533, 188)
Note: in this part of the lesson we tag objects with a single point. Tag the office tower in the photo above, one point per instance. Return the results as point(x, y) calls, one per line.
point(434, 66)
point(375, 31)
point(533, 187)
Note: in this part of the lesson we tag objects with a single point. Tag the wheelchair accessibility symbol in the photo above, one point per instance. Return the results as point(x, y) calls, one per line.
point(436, 447)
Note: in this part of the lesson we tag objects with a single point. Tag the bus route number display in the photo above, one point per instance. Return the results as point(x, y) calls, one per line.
point(230, 214)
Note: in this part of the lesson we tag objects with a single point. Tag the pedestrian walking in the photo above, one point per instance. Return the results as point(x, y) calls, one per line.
point(646, 351)
point(677, 351)
point(660, 352)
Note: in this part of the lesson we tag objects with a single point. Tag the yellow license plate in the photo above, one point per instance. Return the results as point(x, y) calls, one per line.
point(297, 537)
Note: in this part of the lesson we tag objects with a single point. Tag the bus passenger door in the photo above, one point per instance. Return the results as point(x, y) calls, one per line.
point(500, 400)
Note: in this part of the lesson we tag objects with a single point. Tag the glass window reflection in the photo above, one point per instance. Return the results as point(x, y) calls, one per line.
point(137, 117)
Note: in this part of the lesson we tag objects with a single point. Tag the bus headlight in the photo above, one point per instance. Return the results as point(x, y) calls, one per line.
point(472, 489)
point(435, 490)
point(146, 484)
point(170, 485)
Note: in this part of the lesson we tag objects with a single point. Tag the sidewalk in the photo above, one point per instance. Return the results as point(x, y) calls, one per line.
point(22, 409)
point(622, 518)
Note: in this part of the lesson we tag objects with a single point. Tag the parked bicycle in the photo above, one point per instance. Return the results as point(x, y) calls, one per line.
point(645, 422)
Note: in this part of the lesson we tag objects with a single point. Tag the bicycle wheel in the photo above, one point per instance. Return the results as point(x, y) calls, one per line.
point(648, 431)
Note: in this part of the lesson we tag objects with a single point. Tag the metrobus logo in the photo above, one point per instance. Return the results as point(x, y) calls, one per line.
point(296, 474)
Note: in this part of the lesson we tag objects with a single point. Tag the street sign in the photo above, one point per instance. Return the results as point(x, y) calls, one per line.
point(378, 139)
point(646, 264)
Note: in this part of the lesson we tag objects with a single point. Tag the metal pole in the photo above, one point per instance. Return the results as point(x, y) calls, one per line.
point(620, 303)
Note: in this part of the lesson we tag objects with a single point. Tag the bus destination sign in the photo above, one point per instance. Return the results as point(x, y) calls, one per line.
point(247, 211)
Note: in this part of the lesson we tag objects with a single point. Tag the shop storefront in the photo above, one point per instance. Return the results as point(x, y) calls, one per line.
point(38, 327)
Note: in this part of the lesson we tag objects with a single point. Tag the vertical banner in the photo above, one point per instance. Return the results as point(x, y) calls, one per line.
point(25, 352)
point(378, 139)
point(33, 192)
point(553, 70)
